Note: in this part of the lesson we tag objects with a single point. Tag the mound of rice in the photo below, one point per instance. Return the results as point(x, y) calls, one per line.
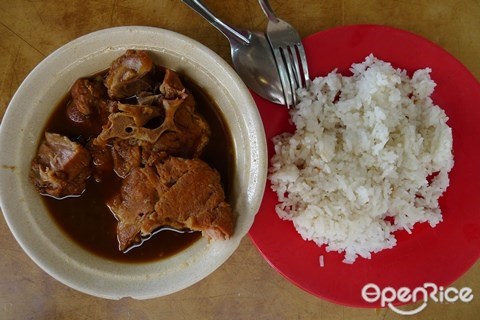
point(370, 155)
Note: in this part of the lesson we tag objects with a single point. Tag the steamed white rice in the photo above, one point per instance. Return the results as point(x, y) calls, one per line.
point(370, 155)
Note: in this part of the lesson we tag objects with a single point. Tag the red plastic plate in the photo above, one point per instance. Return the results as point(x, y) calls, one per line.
point(429, 255)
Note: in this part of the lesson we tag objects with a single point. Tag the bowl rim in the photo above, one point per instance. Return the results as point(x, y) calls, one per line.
point(82, 49)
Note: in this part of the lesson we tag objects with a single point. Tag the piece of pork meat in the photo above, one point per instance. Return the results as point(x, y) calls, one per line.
point(61, 167)
point(180, 132)
point(192, 198)
point(89, 105)
point(102, 161)
point(173, 128)
point(171, 87)
point(126, 157)
point(129, 74)
point(180, 193)
point(185, 133)
point(131, 206)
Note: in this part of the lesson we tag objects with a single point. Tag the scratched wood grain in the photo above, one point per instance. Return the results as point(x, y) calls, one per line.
point(245, 287)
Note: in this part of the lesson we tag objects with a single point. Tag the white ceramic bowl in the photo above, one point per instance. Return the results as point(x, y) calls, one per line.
point(23, 124)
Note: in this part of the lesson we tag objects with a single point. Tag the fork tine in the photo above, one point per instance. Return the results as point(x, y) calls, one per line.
point(296, 65)
point(284, 78)
point(303, 59)
point(290, 62)
point(291, 65)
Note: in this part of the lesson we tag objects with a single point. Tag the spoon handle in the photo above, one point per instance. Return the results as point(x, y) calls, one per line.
point(230, 32)
point(267, 9)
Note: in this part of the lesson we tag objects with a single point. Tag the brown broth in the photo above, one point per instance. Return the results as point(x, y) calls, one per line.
point(87, 220)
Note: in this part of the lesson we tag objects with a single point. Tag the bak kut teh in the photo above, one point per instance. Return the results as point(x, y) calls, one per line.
point(141, 144)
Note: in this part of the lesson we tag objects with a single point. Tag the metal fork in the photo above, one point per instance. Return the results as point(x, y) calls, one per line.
point(289, 54)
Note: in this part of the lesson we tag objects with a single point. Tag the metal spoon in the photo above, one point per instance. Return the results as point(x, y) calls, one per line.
point(252, 56)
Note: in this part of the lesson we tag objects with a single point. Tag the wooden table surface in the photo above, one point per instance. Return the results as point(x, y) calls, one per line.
point(245, 287)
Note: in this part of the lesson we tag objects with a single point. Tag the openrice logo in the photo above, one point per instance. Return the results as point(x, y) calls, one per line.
point(372, 293)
